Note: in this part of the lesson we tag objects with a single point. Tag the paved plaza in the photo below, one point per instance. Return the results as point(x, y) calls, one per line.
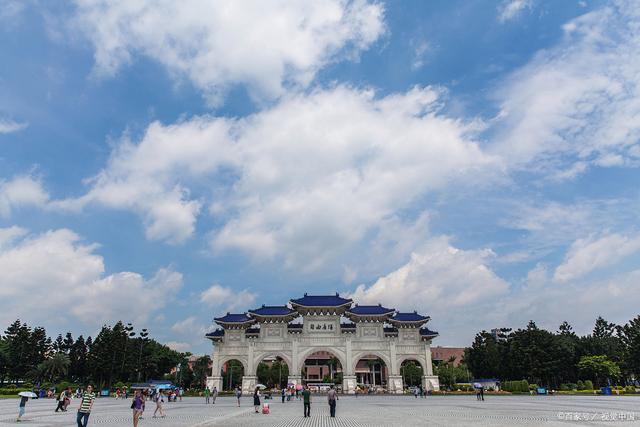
point(394, 411)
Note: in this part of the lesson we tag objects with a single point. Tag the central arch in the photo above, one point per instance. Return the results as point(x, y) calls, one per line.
point(322, 367)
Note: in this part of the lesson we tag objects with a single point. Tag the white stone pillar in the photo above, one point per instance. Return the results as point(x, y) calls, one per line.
point(215, 380)
point(428, 358)
point(348, 375)
point(294, 369)
point(429, 381)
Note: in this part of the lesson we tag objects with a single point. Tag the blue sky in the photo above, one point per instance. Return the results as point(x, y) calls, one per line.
point(475, 161)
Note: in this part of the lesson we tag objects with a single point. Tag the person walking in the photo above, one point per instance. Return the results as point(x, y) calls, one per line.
point(214, 394)
point(306, 401)
point(482, 393)
point(256, 400)
point(138, 407)
point(332, 397)
point(207, 395)
point(21, 407)
point(88, 397)
point(415, 392)
point(159, 401)
point(61, 398)
point(238, 394)
point(284, 393)
point(67, 399)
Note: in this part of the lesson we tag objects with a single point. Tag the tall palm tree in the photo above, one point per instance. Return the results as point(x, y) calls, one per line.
point(55, 367)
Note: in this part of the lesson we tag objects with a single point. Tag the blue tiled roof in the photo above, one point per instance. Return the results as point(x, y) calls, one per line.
point(233, 318)
point(272, 310)
point(370, 310)
point(322, 300)
point(216, 333)
point(426, 332)
point(409, 317)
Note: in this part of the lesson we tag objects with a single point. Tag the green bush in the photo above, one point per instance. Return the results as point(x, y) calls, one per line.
point(12, 391)
point(533, 387)
point(564, 387)
point(580, 385)
point(524, 386)
point(629, 389)
point(588, 385)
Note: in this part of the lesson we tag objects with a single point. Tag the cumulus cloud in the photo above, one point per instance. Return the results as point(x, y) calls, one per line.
point(21, 191)
point(227, 298)
point(511, 9)
point(577, 104)
point(8, 125)
point(577, 301)
point(304, 179)
point(440, 277)
point(59, 270)
point(179, 346)
point(463, 294)
point(587, 255)
point(215, 44)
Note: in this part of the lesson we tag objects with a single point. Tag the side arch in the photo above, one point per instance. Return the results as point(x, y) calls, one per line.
point(419, 359)
point(243, 360)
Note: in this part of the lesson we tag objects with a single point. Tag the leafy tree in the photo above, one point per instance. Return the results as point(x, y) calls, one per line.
point(599, 368)
point(232, 374)
point(484, 356)
point(411, 373)
point(630, 338)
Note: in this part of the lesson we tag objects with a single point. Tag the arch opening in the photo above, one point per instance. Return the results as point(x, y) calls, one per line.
point(372, 373)
point(273, 371)
point(321, 369)
point(232, 371)
point(412, 372)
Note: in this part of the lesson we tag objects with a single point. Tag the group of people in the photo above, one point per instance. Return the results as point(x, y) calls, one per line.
point(64, 400)
point(210, 396)
point(332, 399)
point(139, 399)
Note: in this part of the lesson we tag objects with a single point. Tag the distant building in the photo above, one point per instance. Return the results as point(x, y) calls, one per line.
point(444, 354)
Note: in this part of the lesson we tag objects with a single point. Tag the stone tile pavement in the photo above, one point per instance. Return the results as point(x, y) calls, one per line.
point(374, 411)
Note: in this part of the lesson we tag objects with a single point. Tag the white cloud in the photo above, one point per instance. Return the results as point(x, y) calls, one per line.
point(577, 104)
point(21, 191)
point(227, 299)
point(179, 346)
point(56, 268)
point(438, 279)
point(579, 302)
point(215, 44)
point(303, 180)
point(510, 9)
point(185, 325)
point(8, 125)
point(590, 254)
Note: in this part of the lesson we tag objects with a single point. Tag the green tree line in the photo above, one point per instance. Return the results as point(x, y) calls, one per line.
point(609, 355)
point(116, 354)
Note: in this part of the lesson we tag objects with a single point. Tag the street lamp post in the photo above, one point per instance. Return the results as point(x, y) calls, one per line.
point(143, 336)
